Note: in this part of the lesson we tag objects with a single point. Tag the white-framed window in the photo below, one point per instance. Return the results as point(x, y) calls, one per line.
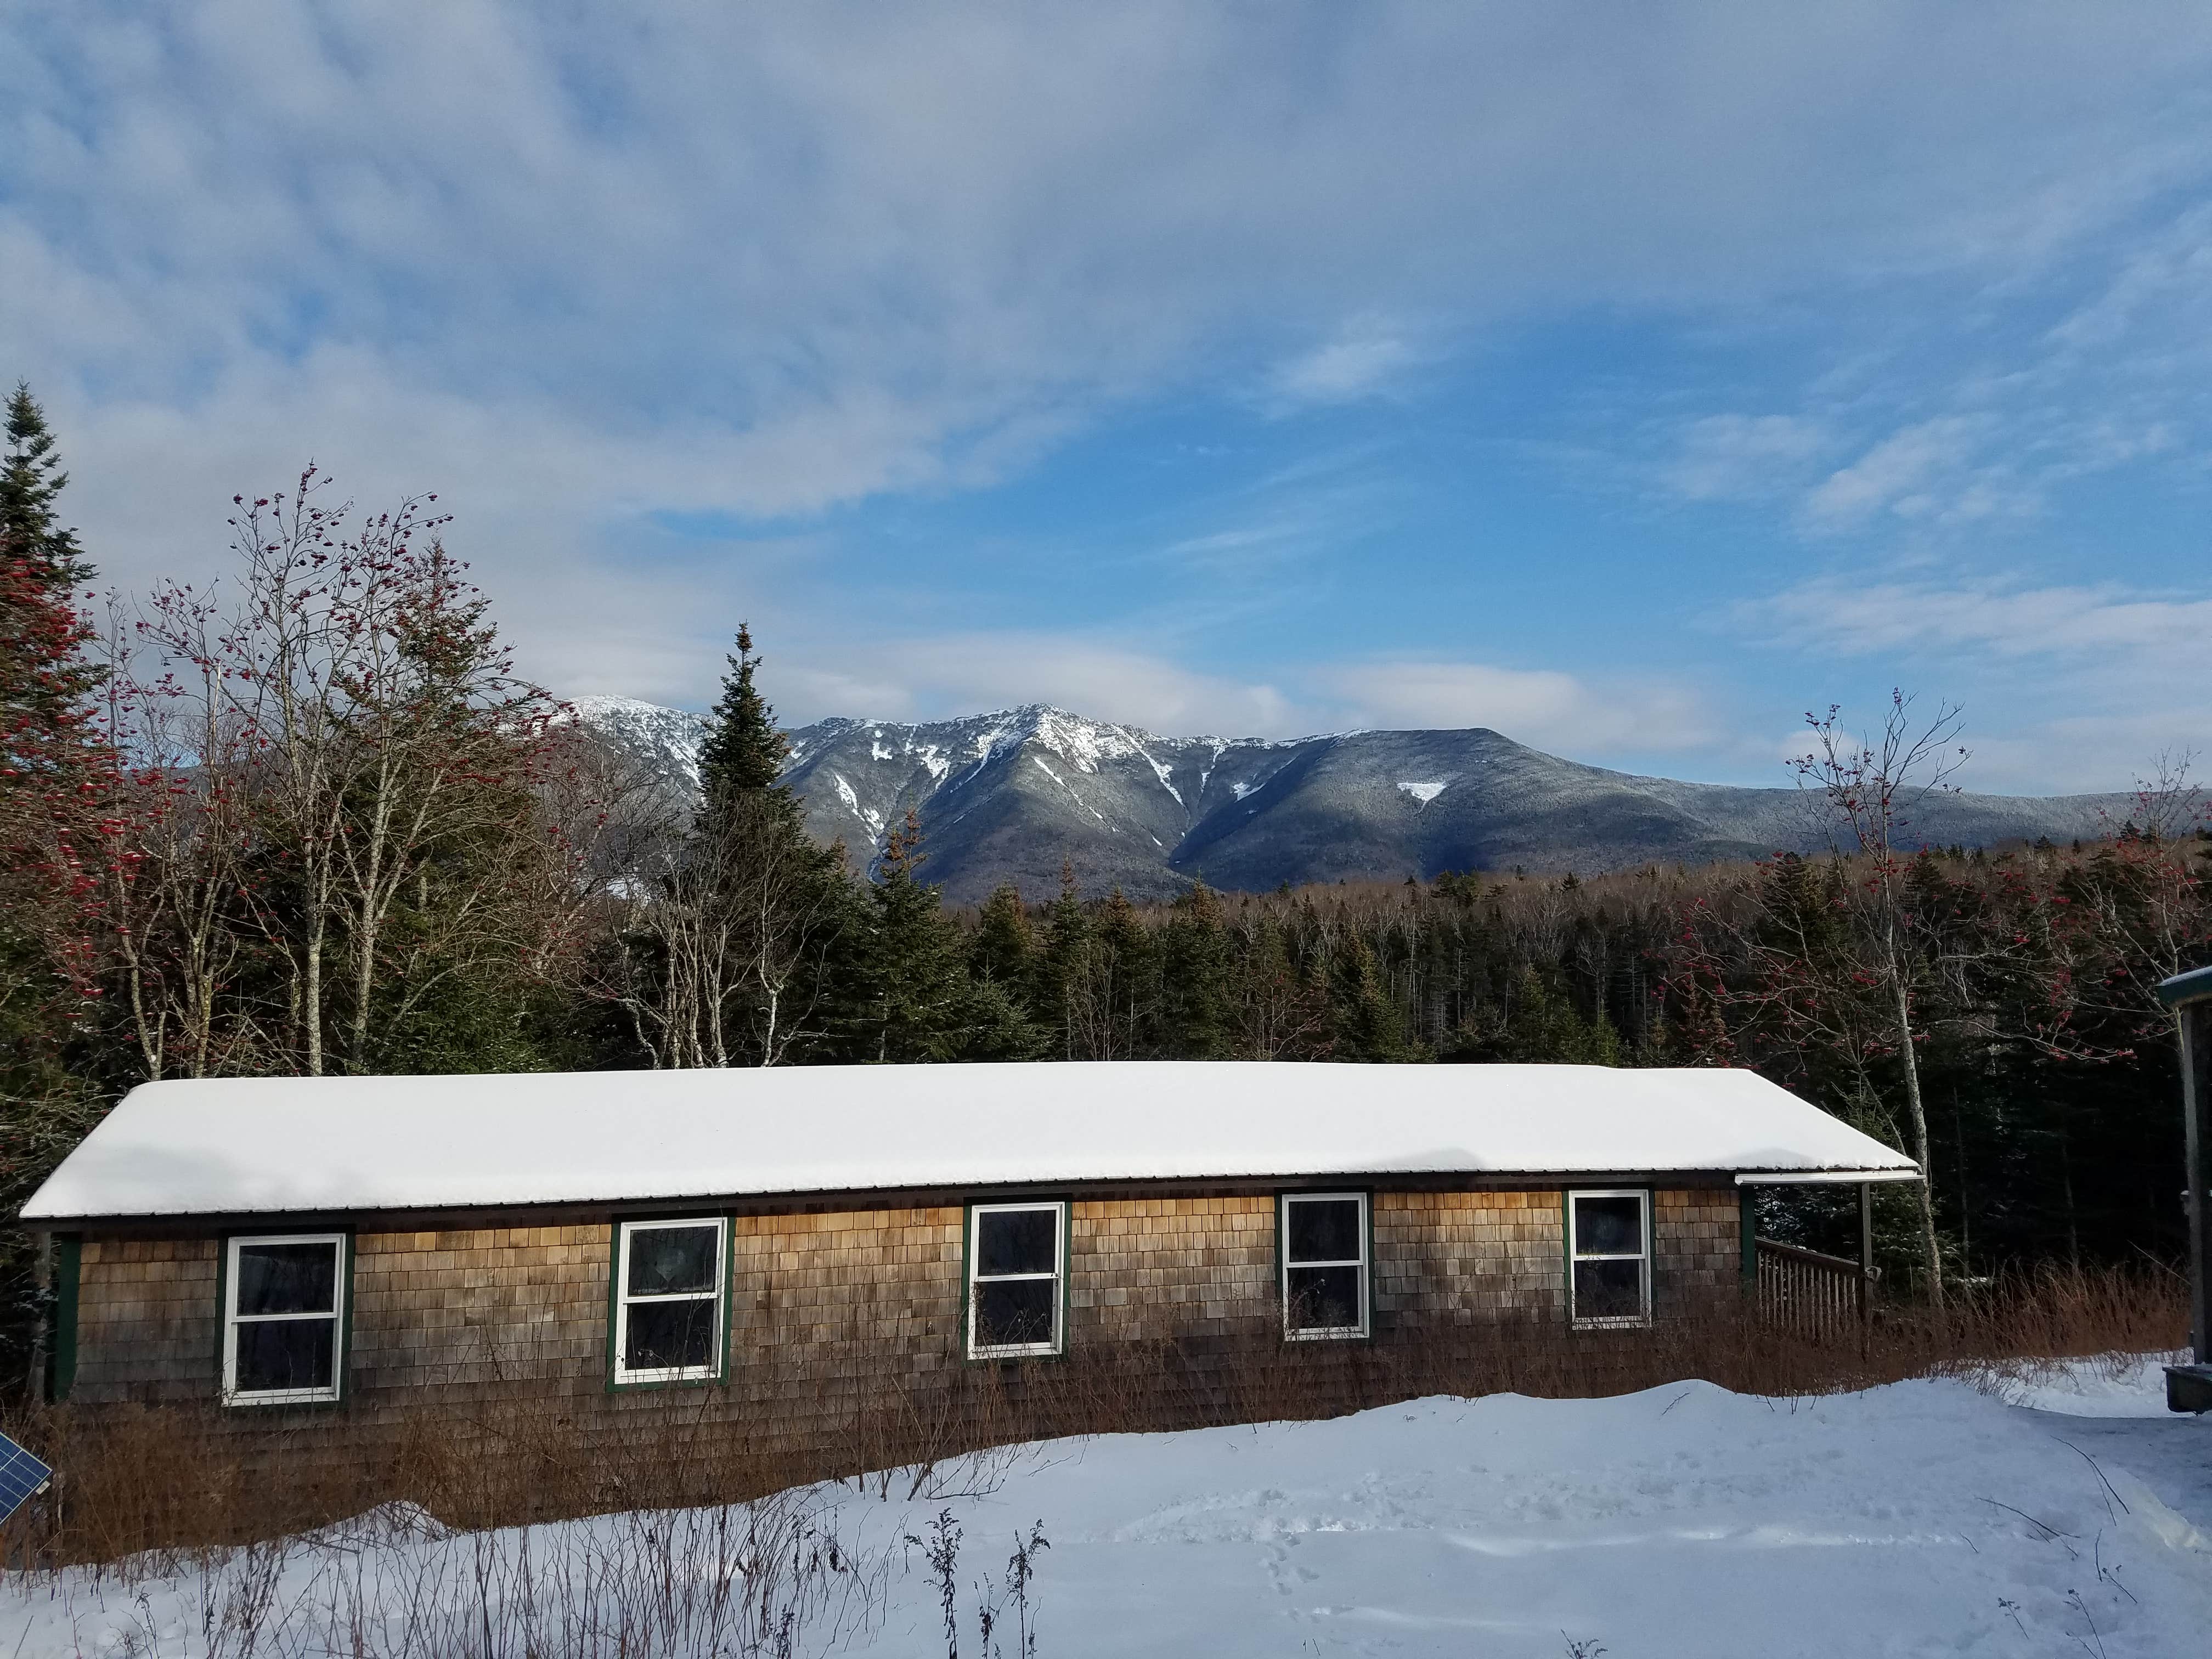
point(1325, 1278)
point(671, 1301)
point(1609, 1257)
point(283, 1319)
point(1017, 1278)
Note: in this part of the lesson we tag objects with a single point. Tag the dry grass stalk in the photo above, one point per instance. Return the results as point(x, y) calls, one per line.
point(146, 1483)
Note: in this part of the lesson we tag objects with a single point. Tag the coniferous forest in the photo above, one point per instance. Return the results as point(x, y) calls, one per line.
point(311, 821)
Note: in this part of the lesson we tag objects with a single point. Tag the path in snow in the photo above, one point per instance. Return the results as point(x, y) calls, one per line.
point(1686, 1522)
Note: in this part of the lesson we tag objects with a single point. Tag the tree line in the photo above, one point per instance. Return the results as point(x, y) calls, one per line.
point(311, 821)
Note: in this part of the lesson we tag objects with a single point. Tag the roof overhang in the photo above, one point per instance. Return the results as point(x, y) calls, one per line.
point(2186, 988)
point(1811, 1177)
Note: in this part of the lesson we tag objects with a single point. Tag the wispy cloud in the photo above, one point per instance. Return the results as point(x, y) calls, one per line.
point(2066, 687)
point(1543, 707)
point(1924, 471)
point(587, 279)
point(2123, 631)
point(929, 677)
point(1742, 457)
point(1367, 357)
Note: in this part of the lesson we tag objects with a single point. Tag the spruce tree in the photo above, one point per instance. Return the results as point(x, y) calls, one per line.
point(50, 771)
point(1063, 964)
point(52, 779)
point(742, 749)
point(1004, 950)
point(775, 911)
point(1369, 1025)
point(917, 994)
point(44, 678)
point(1198, 1015)
point(1126, 984)
point(997, 1022)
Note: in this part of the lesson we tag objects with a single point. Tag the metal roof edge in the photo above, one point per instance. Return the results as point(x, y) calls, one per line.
point(1808, 1177)
point(2186, 988)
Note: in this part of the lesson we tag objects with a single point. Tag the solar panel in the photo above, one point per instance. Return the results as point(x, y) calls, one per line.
point(23, 1477)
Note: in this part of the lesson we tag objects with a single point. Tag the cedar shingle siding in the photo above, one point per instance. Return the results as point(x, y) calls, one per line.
point(824, 1305)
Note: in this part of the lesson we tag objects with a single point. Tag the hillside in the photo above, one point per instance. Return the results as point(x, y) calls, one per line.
point(1010, 796)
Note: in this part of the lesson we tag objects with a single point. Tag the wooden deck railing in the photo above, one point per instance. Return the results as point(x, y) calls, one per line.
point(1822, 1298)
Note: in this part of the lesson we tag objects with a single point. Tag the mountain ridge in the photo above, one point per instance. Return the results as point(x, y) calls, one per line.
point(1011, 794)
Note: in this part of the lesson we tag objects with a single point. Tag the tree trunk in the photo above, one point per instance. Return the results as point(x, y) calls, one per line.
point(310, 991)
point(1931, 1249)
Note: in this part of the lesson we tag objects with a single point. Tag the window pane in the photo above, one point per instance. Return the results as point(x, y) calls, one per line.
point(1015, 1310)
point(285, 1353)
point(1608, 1290)
point(1324, 1299)
point(665, 1261)
point(667, 1336)
point(1608, 1226)
point(1326, 1230)
point(1016, 1241)
point(279, 1279)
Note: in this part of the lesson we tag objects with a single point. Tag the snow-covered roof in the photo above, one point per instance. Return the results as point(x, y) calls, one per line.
point(251, 1146)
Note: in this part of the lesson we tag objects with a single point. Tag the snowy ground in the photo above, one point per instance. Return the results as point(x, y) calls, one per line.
point(1924, 1518)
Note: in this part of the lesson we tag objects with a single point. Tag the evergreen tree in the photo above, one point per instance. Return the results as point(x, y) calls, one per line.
point(46, 747)
point(1121, 997)
point(1198, 1012)
point(1544, 1029)
point(1369, 1025)
point(1004, 950)
point(52, 778)
point(995, 1024)
point(1063, 965)
point(763, 917)
point(916, 1000)
point(742, 749)
point(52, 771)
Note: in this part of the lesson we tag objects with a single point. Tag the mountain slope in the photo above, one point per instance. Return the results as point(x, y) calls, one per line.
point(1010, 796)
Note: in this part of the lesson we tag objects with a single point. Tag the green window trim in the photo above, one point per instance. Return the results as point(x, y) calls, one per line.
point(993, 1353)
point(703, 1377)
point(61, 1352)
point(1364, 1331)
point(1649, 1257)
point(225, 1352)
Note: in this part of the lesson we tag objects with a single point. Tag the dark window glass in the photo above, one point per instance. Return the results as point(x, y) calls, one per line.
point(1609, 1290)
point(667, 1336)
point(1324, 1299)
point(668, 1260)
point(1010, 1311)
point(1324, 1230)
point(285, 1353)
point(1608, 1226)
point(1016, 1241)
point(283, 1278)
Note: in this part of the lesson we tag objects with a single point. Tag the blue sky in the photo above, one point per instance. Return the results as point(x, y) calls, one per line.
point(1629, 379)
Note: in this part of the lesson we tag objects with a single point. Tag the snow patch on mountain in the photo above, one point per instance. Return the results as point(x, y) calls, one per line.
point(1164, 773)
point(667, 739)
point(1302, 810)
point(867, 815)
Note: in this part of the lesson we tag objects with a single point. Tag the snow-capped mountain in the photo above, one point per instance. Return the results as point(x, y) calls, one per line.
point(666, 740)
point(1010, 796)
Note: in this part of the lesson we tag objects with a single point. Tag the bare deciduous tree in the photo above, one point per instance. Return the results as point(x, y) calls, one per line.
point(343, 774)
